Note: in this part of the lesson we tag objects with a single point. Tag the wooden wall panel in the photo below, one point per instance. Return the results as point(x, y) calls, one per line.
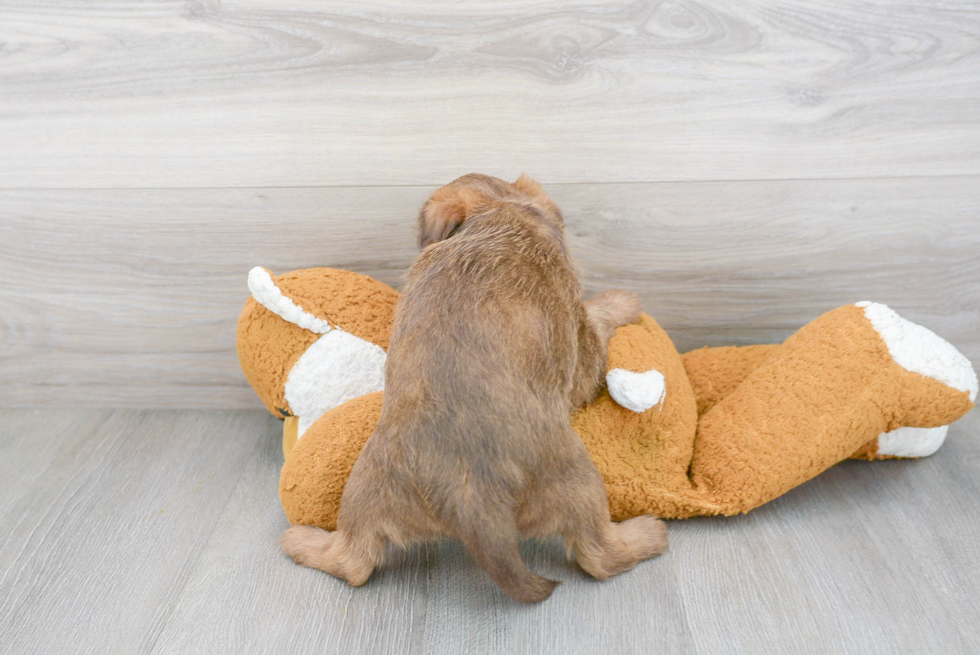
point(130, 297)
point(299, 93)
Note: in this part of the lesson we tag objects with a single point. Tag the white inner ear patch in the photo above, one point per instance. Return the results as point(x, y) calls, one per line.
point(265, 291)
point(921, 350)
point(336, 368)
point(637, 392)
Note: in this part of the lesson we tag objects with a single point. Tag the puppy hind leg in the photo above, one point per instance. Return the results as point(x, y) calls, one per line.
point(602, 548)
point(613, 548)
point(354, 549)
point(493, 543)
point(341, 554)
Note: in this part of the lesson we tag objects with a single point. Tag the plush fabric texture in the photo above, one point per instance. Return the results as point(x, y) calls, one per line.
point(269, 345)
point(732, 428)
point(642, 456)
point(715, 373)
point(911, 442)
point(815, 401)
point(920, 350)
point(636, 392)
point(316, 470)
point(269, 295)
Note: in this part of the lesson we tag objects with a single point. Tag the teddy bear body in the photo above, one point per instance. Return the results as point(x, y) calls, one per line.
point(715, 431)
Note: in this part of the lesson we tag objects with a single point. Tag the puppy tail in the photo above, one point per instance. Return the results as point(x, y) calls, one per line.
point(496, 552)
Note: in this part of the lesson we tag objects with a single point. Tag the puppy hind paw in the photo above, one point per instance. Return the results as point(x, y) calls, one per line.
point(534, 589)
point(306, 545)
point(646, 536)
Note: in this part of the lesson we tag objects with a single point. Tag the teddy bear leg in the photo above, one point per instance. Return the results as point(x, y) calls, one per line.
point(917, 349)
point(715, 373)
point(851, 374)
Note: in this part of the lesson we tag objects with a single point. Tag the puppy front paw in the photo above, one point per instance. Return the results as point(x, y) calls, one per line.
point(615, 307)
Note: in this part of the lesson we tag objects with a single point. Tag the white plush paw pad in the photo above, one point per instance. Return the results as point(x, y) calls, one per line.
point(637, 392)
point(920, 350)
point(911, 442)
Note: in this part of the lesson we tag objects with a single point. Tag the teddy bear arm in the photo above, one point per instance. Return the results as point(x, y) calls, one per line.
point(316, 470)
point(635, 367)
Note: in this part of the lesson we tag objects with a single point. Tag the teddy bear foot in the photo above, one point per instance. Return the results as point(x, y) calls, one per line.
point(911, 442)
point(920, 350)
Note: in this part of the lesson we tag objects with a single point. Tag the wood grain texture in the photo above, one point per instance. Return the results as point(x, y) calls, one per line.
point(255, 94)
point(431, 599)
point(96, 550)
point(743, 166)
point(867, 558)
point(30, 442)
point(939, 487)
point(130, 297)
point(862, 559)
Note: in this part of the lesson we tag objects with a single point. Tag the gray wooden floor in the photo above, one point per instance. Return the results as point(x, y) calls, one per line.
point(157, 532)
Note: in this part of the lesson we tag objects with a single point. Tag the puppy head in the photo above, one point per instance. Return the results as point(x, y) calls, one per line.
point(454, 203)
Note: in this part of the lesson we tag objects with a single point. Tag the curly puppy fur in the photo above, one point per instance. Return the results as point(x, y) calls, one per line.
point(492, 348)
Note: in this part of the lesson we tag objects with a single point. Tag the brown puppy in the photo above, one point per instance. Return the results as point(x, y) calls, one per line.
point(491, 350)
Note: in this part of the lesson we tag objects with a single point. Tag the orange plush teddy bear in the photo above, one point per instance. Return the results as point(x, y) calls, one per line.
point(714, 431)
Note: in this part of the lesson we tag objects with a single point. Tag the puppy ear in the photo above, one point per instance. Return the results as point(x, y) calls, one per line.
point(445, 211)
point(530, 187)
point(536, 193)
